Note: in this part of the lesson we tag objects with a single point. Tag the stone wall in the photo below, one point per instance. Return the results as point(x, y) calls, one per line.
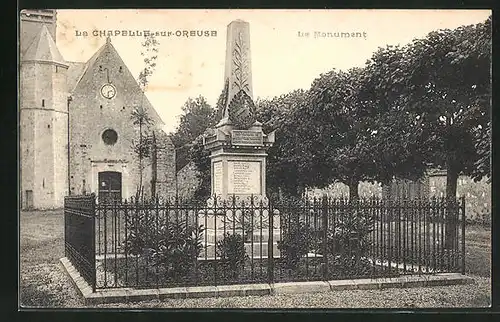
point(187, 181)
point(477, 194)
point(166, 181)
point(340, 190)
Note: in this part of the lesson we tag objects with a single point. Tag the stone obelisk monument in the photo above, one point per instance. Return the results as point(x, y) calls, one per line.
point(238, 147)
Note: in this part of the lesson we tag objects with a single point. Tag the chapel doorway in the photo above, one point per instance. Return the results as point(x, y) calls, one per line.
point(110, 186)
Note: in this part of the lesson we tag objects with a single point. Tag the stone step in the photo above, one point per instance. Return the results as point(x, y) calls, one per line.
point(209, 251)
point(210, 235)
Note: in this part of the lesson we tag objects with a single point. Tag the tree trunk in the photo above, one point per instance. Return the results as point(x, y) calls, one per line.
point(140, 160)
point(154, 167)
point(451, 213)
point(300, 191)
point(353, 190)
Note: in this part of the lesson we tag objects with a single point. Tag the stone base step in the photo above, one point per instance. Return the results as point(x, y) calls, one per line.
point(210, 235)
point(258, 250)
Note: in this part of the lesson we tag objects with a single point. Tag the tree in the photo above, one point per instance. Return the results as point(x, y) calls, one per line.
point(201, 159)
point(283, 164)
point(144, 146)
point(397, 133)
point(352, 127)
point(445, 85)
point(482, 143)
point(197, 116)
point(450, 88)
point(336, 132)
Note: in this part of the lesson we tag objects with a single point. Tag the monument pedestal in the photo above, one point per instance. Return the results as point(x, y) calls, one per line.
point(238, 148)
point(238, 162)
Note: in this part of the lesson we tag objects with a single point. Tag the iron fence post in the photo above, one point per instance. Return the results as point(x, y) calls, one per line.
point(462, 200)
point(270, 266)
point(93, 214)
point(324, 220)
point(66, 225)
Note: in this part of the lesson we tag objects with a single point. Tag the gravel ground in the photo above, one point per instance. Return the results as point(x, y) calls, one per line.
point(44, 284)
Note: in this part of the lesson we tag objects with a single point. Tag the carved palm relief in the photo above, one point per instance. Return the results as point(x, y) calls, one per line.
point(240, 64)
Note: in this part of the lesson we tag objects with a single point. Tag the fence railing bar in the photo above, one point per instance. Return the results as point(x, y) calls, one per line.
point(419, 234)
point(105, 245)
point(462, 202)
point(252, 214)
point(126, 221)
point(115, 233)
point(136, 220)
point(215, 212)
point(92, 250)
point(270, 246)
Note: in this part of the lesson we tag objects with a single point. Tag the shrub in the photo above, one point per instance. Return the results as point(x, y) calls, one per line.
point(349, 242)
point(141, 232)
point(231, 250)
point(297, 238)
point(178, 248)
point(173, 247)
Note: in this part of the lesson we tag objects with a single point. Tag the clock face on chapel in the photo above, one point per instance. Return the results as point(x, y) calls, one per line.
point(108, 91)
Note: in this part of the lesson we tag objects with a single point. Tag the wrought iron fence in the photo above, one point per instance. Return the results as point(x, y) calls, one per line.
point(162, 243)
point(79, 235)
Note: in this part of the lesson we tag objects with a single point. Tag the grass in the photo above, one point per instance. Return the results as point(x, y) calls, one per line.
point(44, 284)
point(42, 281)
point(478, 251)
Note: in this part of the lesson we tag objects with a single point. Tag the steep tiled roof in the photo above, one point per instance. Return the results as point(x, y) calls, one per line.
point(43, 48)
point(75, 72)
point(78, 69)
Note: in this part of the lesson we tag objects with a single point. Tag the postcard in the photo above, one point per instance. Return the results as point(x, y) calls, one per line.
point(255, 158)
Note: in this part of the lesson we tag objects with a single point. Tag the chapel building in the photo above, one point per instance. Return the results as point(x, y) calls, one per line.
point(77, 134)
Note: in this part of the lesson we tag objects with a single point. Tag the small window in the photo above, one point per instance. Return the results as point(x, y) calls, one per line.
point(43, 183)
point(48, 126)
point(109, 137)
point(101, 107)
point(121, 69)
point(43, 103)
point(57, 69)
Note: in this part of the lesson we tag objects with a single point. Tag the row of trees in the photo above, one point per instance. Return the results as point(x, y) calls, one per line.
point(410, 108)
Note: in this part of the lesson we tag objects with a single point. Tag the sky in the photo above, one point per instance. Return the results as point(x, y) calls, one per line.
point(283, 59)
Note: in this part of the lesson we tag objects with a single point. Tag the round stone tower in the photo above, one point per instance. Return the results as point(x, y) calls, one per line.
point(43, 116)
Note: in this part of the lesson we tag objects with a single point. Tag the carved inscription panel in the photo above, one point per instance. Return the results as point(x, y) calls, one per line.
point(244, 177)
point(217, 178)
point(246, 137)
